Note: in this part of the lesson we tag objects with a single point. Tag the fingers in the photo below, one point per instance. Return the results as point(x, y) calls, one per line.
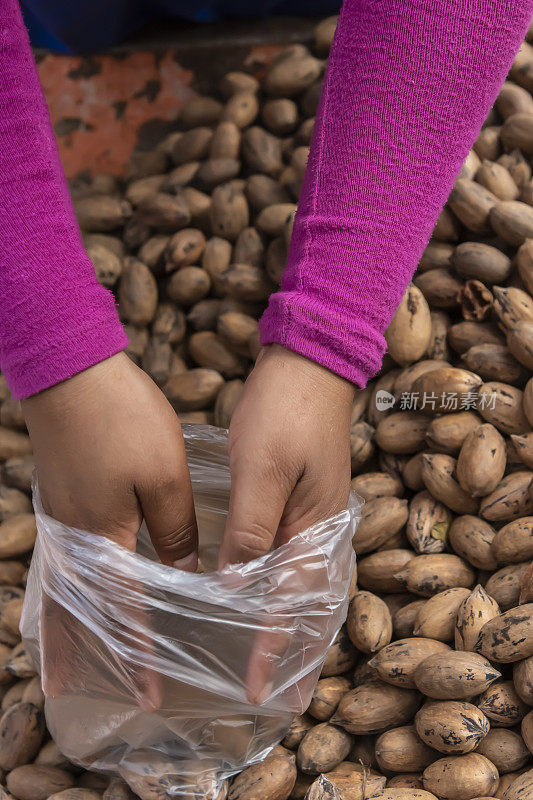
point(59, 653)
point(168, 510)
point(257, 500)
point(314, 500)
point(271, 502)
point(267, 652)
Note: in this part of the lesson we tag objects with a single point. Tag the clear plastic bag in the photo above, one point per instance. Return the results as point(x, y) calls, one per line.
point(145, 668)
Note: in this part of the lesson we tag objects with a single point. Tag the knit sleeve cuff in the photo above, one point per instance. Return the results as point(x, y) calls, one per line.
point(350, 348)
point(78, 343)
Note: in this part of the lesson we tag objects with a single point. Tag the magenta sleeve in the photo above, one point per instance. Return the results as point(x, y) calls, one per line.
point(408, 86)
point(55, 319)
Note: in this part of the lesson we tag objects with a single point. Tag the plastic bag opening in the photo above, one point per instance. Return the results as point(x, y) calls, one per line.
point(146, 669)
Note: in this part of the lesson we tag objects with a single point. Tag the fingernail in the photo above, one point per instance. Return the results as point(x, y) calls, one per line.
point(150, 699)
point(265, 693)
point(147, 704)
point(188, 564)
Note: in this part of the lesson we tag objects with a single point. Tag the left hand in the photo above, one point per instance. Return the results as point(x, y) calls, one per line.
point(289, 449)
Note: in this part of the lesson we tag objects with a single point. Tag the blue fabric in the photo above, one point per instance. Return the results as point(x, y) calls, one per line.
point(86, 26)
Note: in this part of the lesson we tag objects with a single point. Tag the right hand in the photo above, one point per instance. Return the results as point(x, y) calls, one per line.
point(109, 451)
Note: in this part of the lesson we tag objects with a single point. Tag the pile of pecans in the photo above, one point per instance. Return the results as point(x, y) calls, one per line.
point(427, 692)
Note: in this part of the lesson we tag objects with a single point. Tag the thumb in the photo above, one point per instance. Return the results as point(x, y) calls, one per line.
point(168, 510)
point(259, 494)
point(257, 501)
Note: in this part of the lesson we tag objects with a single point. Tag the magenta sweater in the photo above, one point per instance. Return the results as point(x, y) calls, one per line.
point(408, 86)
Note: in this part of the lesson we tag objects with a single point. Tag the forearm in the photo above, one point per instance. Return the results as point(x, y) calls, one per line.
point(55, 319)
point(408, 86)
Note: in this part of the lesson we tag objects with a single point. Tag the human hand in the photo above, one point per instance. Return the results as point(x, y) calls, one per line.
point(109, 451)
point(289, 451)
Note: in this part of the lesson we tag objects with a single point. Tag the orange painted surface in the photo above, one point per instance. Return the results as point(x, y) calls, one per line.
point(96, 117)
point(259, 58)
point(97, 104)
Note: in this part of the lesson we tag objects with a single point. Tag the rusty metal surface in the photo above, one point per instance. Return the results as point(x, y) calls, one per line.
point(103, 106)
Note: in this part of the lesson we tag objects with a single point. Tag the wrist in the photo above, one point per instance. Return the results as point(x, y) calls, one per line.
point(302, 369)
point(58, 400)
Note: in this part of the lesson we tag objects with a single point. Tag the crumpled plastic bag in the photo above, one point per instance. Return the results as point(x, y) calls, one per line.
point(145, 668)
